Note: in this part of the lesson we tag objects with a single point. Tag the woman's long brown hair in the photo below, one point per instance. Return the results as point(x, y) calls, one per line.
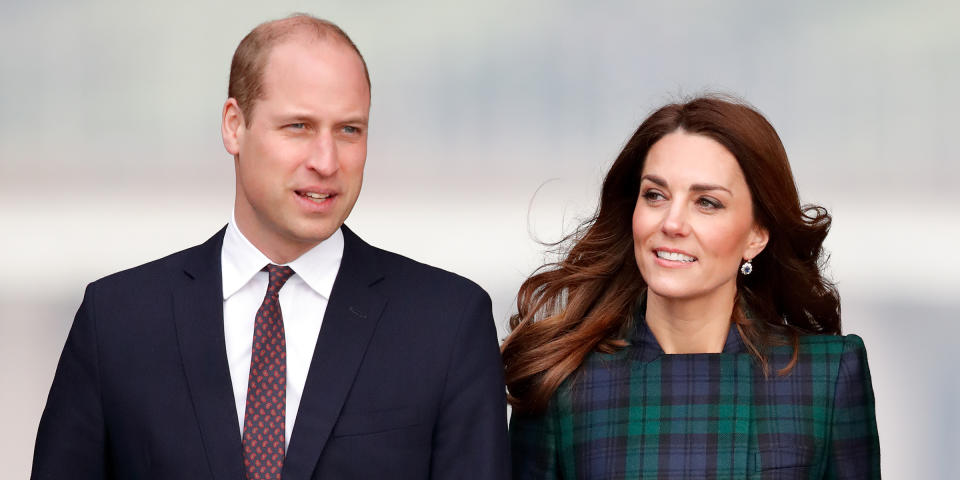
point(583, 302)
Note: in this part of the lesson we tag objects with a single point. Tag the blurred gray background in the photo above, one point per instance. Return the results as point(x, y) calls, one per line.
point(110, 155)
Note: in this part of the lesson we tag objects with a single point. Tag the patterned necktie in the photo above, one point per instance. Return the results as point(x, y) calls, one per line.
point(264, 419)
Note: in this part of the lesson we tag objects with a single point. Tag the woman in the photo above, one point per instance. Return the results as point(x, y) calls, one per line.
point(689, 331)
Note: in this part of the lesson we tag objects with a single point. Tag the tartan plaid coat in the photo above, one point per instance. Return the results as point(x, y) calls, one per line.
point(643, 414)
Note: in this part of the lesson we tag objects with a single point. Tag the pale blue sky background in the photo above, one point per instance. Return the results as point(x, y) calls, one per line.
point(110, 154)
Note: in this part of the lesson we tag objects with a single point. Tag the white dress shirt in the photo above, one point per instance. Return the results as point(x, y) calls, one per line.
point(303, 301)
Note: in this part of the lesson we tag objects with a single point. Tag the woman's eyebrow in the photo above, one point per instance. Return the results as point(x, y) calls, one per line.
point(655, 179)
point(696, 187)
point(705, 187)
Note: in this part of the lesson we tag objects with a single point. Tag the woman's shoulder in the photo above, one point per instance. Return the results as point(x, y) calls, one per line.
point(825, 350)
point(831, 343)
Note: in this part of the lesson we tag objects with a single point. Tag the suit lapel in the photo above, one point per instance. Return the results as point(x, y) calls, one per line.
point(348, 325)
point(198, 315)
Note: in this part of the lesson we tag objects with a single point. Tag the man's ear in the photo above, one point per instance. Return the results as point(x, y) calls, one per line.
point(232, 126)
point(757, 242)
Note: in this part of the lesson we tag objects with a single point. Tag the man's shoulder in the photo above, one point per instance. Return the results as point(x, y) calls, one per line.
point(412, 270)
point(406, 272)
point(163, 270)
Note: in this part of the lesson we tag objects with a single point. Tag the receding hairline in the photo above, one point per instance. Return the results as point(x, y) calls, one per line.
point(252, 54)
point(277, 31)
point(308, 40)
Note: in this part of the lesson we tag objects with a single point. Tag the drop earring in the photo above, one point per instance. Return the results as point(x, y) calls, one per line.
point(746, 268)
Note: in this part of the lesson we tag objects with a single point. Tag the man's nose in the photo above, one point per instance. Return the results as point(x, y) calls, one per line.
point(323, 155)
point(676, 224)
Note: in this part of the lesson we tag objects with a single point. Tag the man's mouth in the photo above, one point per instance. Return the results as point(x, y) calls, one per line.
point(674, 256)
point(314, 196)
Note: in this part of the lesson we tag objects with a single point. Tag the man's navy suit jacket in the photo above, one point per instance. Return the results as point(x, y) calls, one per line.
point(405, 380)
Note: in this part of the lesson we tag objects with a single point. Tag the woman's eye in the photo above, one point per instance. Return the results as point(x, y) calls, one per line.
point(709, 203)
point(653, 195)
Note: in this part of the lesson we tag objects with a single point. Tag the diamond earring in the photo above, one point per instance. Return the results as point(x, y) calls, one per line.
point(746, 268)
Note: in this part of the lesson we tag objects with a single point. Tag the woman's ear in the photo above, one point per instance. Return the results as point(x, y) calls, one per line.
point(756, 242)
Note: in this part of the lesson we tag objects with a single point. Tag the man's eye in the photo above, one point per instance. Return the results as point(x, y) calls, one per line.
point(298, 126)
point(351, 130)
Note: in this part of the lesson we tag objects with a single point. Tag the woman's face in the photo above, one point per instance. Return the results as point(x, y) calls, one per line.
point(693, 222)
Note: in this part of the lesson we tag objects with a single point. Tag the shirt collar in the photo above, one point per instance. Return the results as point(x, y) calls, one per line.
point(319, 266)
point(240, 262)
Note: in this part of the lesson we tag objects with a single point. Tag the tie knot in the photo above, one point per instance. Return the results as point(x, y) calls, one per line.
point(278, 276)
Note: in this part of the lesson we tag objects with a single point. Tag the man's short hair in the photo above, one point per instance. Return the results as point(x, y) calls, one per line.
point(250, 58)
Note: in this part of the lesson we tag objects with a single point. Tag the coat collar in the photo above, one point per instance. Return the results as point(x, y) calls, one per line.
point(645, 345)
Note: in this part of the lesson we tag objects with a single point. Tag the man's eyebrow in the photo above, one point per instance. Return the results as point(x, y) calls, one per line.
point(358, 119)
point(295, 117)
point(305, 117)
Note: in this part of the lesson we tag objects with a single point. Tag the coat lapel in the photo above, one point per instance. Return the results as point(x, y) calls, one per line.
point(348, 325)
point(198, 315)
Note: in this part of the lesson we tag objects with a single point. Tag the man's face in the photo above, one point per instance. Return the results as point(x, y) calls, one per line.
point(299, 159)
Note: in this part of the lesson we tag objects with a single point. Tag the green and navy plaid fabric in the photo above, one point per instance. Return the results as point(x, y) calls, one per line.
point(642, 414)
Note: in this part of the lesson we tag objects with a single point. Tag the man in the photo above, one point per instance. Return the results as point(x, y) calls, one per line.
point(284, 346)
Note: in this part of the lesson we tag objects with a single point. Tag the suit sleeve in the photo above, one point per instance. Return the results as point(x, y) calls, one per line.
point(854, 444)
point(71, 436)
point(533, 445)
point(470, 434)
